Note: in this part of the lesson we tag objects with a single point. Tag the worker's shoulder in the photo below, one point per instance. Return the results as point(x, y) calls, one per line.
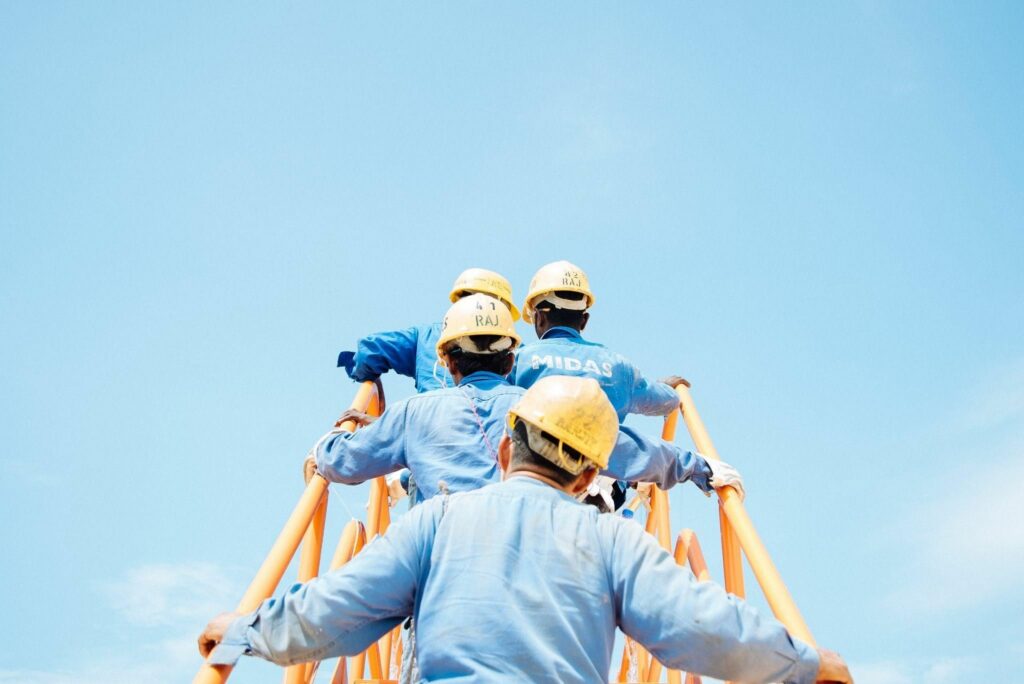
point(458, 394)
point(615, 529)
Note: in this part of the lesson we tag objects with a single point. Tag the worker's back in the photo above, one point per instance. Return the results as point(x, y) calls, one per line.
point(517, 587)
point(448, 435)
point(564, 351)
point(519, 582)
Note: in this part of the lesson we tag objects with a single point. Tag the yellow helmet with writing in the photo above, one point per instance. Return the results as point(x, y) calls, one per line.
point(564, 411)
point(560, 276)
point(488, 282)
point(472, 317)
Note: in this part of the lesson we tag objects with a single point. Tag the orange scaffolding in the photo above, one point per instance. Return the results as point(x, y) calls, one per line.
point(306, 524)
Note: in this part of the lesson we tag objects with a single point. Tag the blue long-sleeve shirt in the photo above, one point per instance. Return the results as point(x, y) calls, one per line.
point(517, 582)
point(563, 351)
point(411, 352)
point(453, 434)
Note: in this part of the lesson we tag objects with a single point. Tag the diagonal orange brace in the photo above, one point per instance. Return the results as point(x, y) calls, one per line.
point(775, 591)
point(287, 542)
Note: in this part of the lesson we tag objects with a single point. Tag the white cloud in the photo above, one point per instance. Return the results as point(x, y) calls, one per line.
point(176, 599)
point(967, 544)
point(163, 662)
point(913, 672)
point(881, 673)
point(997, 401)
point(961, 546)
point(172, 594)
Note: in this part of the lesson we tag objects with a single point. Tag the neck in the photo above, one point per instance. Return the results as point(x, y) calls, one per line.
point(546, 480)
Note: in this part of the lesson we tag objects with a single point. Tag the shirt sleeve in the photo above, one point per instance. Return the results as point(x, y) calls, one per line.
point(371, 451)
point(378, 353)
point(343, 612)
point(651, 398)
point(696, 626)
point(638, 459)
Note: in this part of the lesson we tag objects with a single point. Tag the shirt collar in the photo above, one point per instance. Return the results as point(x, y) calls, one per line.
point(561, 331)
point(484, 380)
point(535, 487)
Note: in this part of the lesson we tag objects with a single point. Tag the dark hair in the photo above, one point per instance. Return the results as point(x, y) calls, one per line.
point(467, 363)
point(525, 457)
point(563, 317)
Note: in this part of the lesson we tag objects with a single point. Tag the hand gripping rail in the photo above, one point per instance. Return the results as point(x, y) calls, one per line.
point(306, 520)
point(737, 533)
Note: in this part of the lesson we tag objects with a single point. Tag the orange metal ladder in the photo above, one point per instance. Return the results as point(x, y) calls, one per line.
point(306, 524)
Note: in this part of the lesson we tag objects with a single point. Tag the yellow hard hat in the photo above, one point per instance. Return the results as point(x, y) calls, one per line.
point(478, 314)
point(481, 280)
point(560, 276)
point(576, 412)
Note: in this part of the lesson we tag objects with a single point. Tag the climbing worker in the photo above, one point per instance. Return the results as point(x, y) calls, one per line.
point(557, 305)
point(451, 435)
point(412, 351)
point(519, 582)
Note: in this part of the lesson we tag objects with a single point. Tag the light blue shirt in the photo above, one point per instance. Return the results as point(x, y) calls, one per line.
point(453, 434)
point(411, 352)
point(563, 351)
point(517, 582)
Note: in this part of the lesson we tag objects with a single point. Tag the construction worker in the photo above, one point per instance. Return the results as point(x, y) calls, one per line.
point(557, 305)
point(519, 582)
point(412, 351)
point(451, 435)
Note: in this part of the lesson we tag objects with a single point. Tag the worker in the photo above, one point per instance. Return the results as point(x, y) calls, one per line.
point(411, 352)
point(518, 582)
point(451, 435)
point(557, 305)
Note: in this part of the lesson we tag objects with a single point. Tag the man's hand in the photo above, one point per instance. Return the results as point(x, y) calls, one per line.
point(674, 381)
point(309, 467)
point(358, 417)
point(214, 632)
point(724, 475)
point(832, 668)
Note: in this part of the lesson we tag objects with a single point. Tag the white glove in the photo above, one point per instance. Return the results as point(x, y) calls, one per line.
point(724, 475)
point(601, 487)
point(394, 483)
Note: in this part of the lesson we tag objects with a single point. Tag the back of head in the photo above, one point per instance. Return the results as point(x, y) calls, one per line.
point(560, 285)
point(566, 421)
point(478, 333)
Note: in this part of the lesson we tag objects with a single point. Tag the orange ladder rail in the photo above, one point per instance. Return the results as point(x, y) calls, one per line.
point(283, 550)
point(779, 599)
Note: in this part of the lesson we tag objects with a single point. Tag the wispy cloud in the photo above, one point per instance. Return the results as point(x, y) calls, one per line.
point(150, 602)
point(172, 594)
point(961, 545)
point(941, 671)
point(161, 662)
point(997, 401)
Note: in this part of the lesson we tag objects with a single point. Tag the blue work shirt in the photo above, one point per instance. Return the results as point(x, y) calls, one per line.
point(411, 352)
point(563, 351)
point(518, 582)
point(453, 434)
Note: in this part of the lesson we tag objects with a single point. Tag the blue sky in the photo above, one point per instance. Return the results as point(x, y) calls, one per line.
point(813, 211)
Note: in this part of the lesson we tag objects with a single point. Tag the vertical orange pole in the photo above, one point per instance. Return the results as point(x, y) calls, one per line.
point(281, 553)
point(688, 551)
point(732, 562)
point(309, 567)
point(775, 591)
point(353, 539)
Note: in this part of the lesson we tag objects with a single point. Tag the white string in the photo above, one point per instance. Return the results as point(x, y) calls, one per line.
point(480, 424)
